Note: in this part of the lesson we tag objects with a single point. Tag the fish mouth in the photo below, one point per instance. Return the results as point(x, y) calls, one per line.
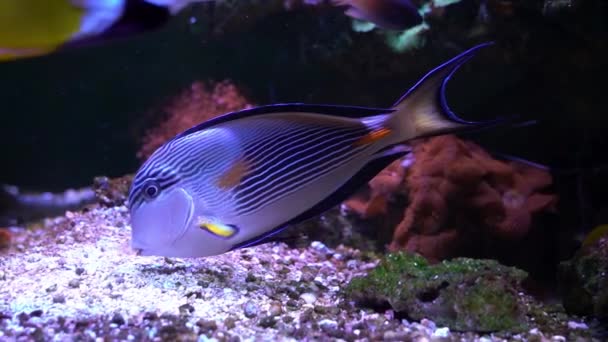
point(183, 208)
point(144, 252)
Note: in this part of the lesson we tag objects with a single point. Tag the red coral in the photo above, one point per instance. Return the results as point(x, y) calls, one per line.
point(381, 189)
point(5, 238)
point(457, 190)
point(198, 103)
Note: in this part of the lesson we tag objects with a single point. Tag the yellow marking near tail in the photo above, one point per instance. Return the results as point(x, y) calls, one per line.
point(233, 176)
point(219, 229)
point(373, 136)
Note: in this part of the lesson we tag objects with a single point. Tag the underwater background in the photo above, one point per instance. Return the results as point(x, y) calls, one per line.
point(78, 114)
point(547, 65)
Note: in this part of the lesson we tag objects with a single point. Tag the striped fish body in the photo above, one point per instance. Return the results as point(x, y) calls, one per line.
point(286, 164)
point(236, 180)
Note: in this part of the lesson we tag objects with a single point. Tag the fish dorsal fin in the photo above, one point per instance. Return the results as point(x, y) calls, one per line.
point(336, 110)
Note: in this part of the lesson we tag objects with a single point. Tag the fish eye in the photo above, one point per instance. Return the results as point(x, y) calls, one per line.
point(151, 190)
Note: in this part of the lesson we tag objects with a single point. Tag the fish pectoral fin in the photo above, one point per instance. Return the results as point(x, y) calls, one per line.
point(221, 230)
point(373, 136)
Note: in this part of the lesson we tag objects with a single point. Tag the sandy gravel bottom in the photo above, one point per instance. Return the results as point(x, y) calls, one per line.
point(76, 278)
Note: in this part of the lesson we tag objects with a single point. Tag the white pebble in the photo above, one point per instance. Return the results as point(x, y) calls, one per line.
point(428, 324)
point(204, 338)
point(351, 264)
point(442, 332)
point(318, 245)
point(309, 298)
point(577, 325)
point(328, 323)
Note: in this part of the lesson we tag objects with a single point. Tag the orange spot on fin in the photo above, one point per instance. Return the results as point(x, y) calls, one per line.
point(233, 176)
point(373, 136)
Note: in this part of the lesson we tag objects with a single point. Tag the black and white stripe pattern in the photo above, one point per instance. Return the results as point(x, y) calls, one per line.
point(288, 154)
point(184, 160)
point(283, 151)
point(165, 178)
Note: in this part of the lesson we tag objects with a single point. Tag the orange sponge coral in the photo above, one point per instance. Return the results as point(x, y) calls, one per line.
point(457, 190)
point(5, 238)
point(198, 103)
point(375, 201)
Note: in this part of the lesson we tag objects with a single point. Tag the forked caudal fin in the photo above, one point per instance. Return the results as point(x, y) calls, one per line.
point(423, 110)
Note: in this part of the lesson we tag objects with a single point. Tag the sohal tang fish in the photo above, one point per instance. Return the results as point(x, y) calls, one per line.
point(236, 180)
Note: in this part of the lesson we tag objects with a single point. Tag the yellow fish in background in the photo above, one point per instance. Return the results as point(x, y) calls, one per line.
point(31, 28)
point(595, 235)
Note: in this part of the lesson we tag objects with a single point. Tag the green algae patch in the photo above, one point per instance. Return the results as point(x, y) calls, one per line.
point(462, 294)
point(410, 39)
point(584, 281)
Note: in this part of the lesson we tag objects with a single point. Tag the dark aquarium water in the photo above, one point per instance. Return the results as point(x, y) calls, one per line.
point(349, 213)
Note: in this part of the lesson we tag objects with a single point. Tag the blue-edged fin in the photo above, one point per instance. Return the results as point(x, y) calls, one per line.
point(222, 230)
point(330, 110)
point(423, 110)
point(527, 162)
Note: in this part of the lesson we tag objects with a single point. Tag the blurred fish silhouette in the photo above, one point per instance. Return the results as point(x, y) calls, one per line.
point(595, 235)
point(238, 179)
point(18, 207)
point(387, 14)
point(31, 28)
